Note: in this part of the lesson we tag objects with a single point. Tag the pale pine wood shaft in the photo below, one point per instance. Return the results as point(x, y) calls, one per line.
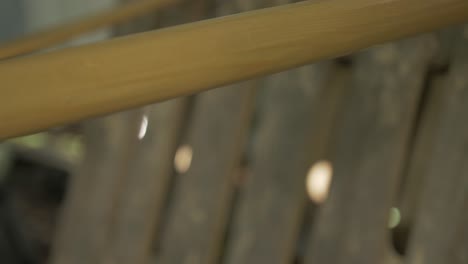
point(45, 90)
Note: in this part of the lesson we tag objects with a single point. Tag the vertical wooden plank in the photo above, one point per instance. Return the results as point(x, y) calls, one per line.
point(84, 229)
point(145, 186)
point(290, 135)
point(422, 148)
point(329, 104)
point(414, 177)
point(440, 232)
point(420, 151)
point(202, 196)
point(370, 145)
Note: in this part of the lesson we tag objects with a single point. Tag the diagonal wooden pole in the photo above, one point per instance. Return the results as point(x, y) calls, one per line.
point(61, 33)
point(45, 90)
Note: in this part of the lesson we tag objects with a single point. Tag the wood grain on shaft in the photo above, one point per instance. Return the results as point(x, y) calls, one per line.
point(59, 87)
point(59, 34)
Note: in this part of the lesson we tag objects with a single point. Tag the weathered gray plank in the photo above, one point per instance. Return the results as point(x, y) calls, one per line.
point(291, 126)
point(411, 184)
point(370, 144)
point(417, 168)
point(84, 228)
point(141, 201)
point(440, 232)
point(202, 196)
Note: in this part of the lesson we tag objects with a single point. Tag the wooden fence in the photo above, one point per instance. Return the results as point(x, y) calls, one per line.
point(227, 175)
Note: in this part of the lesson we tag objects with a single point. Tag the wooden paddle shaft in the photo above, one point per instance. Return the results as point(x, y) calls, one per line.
point(65, 32)
point(51, 89)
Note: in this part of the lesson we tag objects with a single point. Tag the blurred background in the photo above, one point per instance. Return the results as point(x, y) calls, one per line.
point(350, 160)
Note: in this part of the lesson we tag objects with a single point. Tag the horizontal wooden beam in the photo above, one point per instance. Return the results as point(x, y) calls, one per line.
point(51, 89)
point(61, 33)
